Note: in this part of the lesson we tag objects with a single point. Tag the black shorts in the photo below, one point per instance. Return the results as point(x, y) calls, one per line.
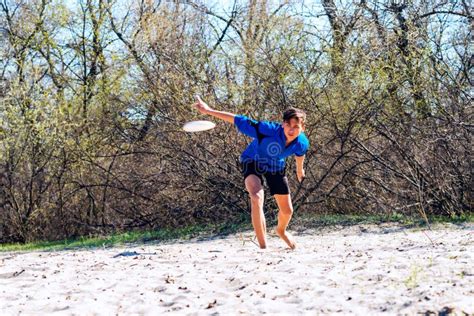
point(276, 181)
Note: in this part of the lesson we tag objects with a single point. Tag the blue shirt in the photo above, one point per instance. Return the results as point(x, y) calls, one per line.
point(269, 148)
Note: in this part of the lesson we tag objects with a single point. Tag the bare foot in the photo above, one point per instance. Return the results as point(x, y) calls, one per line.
point(287, 237)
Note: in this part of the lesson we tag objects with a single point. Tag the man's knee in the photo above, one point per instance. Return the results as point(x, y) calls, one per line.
point(287, 210)
point(256, 195)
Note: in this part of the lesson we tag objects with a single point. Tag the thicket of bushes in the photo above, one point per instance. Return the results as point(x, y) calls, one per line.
point(93, 96)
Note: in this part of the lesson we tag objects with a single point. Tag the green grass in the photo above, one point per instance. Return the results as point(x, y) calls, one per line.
point(300, 221)
point(314, 220)
point(128, 237)
point(413, 278)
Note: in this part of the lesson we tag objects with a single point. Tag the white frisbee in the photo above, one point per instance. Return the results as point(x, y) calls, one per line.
point(198, 126)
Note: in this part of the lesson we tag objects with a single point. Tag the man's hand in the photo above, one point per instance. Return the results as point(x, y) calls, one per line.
point(201, 106)
point(300, 174)
point(299, 167)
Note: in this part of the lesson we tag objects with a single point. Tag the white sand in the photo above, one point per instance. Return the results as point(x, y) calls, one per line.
point(359, 269)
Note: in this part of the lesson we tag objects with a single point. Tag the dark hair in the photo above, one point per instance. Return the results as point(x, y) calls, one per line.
point(298, 114)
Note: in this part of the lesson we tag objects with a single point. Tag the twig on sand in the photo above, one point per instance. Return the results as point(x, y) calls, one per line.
point(253, 240)
point(250, 239)
point(432, 243)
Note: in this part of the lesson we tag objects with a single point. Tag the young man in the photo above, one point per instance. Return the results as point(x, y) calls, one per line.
point(265, 158)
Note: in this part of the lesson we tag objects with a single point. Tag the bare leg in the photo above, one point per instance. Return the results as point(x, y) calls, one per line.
point(284, 216)
point(255, 189)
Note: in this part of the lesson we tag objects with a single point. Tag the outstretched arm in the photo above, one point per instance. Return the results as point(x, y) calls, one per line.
point(206, 109)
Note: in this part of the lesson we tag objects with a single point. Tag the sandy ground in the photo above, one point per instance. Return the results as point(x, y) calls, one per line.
point(364, 269)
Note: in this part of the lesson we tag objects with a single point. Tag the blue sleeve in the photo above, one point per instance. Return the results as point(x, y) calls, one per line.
point(303, 148)
point(252, 127)
point(246, 125)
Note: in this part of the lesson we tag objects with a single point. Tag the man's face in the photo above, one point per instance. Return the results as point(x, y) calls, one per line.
point(293, 128)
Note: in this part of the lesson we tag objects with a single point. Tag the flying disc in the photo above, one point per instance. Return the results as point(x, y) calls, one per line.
point(198, 126)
